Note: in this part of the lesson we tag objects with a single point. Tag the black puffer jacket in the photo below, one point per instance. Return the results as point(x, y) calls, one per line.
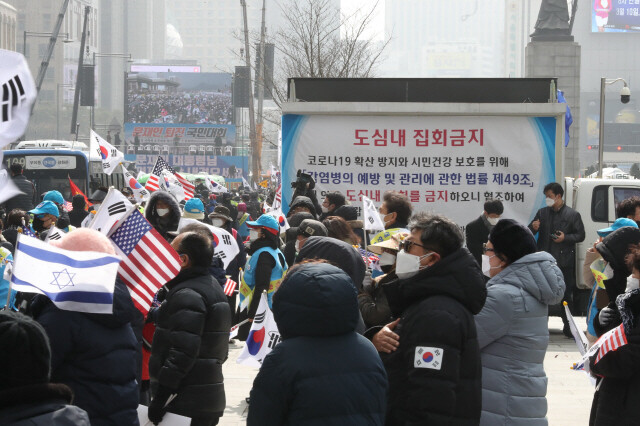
point(322, 373)
point(44, 404)
point(190, 344)
point(617, 400)
point(163, 225)
point(96, 355)
point(435, 375)
point(25, 201)
point(613, 249)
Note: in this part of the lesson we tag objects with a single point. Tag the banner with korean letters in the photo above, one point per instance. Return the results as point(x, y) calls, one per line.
point(444, 164)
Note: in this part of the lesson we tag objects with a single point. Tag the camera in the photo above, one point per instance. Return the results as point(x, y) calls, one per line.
point(625, 95)
point(303, 179)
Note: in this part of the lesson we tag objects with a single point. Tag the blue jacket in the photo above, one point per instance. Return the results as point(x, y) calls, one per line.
point(96, 356)
point(323, 372)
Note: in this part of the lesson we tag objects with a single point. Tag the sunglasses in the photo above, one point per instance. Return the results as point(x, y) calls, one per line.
point(485, 249)
point(406, 245)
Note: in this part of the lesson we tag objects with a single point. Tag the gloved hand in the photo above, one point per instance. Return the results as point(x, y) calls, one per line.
point(157, 407)
point(609, 317)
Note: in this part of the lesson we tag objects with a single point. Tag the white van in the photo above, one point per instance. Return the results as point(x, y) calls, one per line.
point(596, 201)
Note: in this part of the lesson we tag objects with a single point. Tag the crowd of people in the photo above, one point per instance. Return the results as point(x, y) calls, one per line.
point(421, 323)
point(185, 107)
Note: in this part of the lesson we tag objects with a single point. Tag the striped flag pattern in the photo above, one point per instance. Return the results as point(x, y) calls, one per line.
point(611, 341)
point(148, 260)
point(153, 183)
point(67, 206)
point(229, 287)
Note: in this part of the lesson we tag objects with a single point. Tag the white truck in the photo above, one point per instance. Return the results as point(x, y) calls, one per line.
point(596, 201)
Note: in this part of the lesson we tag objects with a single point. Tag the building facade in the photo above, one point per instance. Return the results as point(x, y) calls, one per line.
point(8, 26)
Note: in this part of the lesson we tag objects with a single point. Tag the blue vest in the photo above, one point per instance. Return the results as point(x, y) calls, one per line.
point(249, 280)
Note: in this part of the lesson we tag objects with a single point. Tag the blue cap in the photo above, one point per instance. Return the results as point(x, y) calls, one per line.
point(619, 223)
point(54, 196)
point(46, 207)
point(265, 221)
point(194, 205)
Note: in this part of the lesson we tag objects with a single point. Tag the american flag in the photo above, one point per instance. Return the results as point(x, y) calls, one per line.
point(148, 260)
point(68, 206)
point(153, 181)
point(367, 256)
point(611, 341)
point(229, 287)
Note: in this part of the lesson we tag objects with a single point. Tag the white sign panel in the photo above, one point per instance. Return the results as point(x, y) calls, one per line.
point(444, 164)
point(40, 162)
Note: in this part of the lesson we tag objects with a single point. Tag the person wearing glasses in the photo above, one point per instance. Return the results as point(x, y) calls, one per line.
point(434, 365)
point(513, 325)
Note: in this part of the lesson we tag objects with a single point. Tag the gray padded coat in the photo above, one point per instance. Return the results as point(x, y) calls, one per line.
point(513, 336)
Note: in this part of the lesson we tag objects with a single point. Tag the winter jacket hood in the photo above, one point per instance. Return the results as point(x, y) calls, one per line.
point(317, 300)
point(336, 252)
point(346, 212)
point(457, 276)
point(171, 223)
point(613, 249)
point(534, 274)
point(303, 201)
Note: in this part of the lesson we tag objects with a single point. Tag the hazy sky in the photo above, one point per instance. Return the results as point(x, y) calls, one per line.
point(377, 25)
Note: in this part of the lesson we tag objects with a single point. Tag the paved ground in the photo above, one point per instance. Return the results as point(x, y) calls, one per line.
point(569, 392)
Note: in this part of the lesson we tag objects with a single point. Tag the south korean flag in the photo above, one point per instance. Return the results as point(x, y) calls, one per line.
point(113, 208)
point(224, 245)
point(18, 94)
point(139, 193)
point(110, 156)
point(428, 357)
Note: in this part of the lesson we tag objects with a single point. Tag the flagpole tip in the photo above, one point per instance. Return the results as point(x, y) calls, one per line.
point(564, 303)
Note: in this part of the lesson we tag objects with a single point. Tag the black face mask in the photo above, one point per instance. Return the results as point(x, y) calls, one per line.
point(38, 225)
point(386, 268)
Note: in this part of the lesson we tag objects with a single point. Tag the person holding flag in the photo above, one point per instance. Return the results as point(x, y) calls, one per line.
point(322, 371)
point(191, 341)
point(163, 213)
point(265, 269)
point(96, 355)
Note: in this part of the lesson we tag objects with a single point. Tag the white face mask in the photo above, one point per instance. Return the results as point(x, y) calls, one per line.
point(324, 209)
point(486, 265)
point(297, 245)
point(632, 283)
point(387, 259)
point(549, 202)
point(253, 234)
point(218, 222)
point(608, 272)
point(162, 212)
point(408, 265)
point(493, 220)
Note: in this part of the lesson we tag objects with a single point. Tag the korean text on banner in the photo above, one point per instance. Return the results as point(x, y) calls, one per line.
point(74, 280)
point(443, 164)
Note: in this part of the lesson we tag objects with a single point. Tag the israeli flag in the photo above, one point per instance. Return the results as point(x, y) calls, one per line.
point(81, 281)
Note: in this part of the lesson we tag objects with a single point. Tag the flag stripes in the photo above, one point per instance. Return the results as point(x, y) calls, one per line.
point(230, 287)
point(612, 341)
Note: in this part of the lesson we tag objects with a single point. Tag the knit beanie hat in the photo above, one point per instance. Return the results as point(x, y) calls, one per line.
point(512, 239)
point(25, 354)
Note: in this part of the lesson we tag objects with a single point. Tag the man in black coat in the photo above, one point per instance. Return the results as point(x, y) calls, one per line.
point(191, 341)
point(28, 199)
point(559, 229)
point(477, 231)
point(435, 370)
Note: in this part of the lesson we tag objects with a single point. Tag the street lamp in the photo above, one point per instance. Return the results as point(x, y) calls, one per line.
point(126, 56)
point(38, 34)
point(625, 96)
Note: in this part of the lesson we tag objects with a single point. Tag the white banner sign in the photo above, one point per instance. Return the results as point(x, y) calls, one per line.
point(444, 164)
